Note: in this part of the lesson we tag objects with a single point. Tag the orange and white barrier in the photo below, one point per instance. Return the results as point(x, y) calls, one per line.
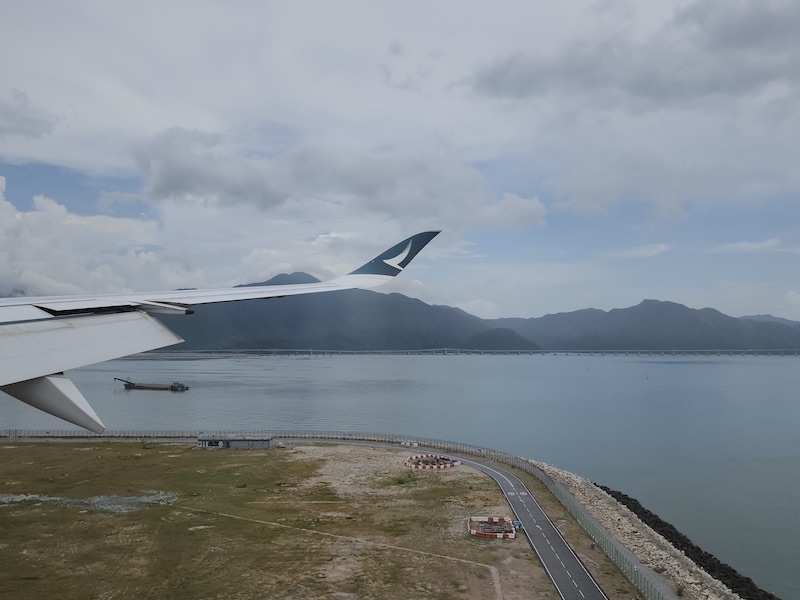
point(430, 461)
point(491, 527)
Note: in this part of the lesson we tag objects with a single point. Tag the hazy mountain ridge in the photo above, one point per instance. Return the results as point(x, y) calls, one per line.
point(367, 320)
point(653, 325)
point(346, 320)
point(771, 319)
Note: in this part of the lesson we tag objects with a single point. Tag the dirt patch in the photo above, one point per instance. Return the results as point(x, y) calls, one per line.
point(304, 521)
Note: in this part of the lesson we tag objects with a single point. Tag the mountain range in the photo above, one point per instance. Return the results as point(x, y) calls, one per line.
point(361, 320)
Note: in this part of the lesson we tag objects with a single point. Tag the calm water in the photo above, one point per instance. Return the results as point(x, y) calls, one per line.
point(710, 444)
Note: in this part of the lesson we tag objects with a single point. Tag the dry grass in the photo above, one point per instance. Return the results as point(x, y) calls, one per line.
point(303, 522)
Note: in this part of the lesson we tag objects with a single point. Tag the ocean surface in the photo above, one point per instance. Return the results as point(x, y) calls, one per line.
point(711, 444)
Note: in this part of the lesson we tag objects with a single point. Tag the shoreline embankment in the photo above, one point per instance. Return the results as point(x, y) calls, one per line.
point(694, 573)
point(738, 583)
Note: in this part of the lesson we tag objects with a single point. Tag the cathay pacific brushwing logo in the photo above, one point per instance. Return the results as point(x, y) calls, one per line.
point(396, 258)
point(397, 261)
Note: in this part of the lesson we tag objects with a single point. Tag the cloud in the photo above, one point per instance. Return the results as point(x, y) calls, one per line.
point(191, 164)
point(646, 251)
point(770, 245)
point(512, 212)
point(698, 108)
point(266, 138)
point(793, 302)
point(320, 182)
point(50, 251)
point(21, 117)
point(710, 49)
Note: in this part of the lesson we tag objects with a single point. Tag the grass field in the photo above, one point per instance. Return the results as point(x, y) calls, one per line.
point(125, 520)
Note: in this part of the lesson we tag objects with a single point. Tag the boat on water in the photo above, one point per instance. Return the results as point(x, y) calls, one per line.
point(175, 386)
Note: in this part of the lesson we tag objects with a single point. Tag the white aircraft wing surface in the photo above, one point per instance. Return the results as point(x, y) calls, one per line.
point(42, 337)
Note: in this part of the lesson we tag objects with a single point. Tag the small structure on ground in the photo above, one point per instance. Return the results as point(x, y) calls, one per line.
point(492, 527)
point(243, 442)
point(431, 461)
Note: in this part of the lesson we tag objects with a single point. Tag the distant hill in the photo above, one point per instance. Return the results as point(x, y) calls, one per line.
point(345, 320)
point(364, 320)
point(498, 339)
point(652, 325)
point(771, 319)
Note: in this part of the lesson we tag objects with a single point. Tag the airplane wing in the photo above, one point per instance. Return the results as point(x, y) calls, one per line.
point(42, 337)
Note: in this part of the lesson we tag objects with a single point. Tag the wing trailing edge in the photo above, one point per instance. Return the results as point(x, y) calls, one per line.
point(40, 338)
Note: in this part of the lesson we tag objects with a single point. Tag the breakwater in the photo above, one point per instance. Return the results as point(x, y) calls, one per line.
point(738, 583)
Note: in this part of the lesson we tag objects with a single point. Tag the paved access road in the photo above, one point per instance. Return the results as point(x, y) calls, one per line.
point(565, 569)
point(570, 577)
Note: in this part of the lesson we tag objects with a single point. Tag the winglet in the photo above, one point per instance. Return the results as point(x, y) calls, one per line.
point(396, 258)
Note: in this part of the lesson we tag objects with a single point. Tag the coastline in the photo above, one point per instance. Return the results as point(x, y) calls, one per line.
point(723, 572)
point(658, 544)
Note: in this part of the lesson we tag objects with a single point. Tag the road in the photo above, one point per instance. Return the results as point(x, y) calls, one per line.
point(565, 569)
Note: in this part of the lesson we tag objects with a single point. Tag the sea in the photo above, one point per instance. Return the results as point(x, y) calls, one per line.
point(709, 443)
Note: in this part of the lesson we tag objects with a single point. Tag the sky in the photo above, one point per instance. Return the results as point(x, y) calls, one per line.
point(585, 154)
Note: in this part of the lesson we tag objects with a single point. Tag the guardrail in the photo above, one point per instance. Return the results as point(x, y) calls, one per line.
point(649, 583)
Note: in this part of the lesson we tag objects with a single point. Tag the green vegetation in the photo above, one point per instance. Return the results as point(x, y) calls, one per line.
point(308, 522)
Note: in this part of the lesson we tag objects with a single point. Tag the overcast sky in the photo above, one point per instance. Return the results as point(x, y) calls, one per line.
point(575, 154)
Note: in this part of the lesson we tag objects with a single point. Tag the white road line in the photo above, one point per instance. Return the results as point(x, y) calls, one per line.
point(515, 503)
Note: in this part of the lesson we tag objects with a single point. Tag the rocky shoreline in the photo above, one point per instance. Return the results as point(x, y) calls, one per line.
point(693, 573)
point(738, 583)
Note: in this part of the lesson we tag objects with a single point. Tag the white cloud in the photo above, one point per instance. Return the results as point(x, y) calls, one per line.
point(646, 251)
point(770, 245)
point(323, 183)
point(50, 251)
point(266, 136)
point(512, 212)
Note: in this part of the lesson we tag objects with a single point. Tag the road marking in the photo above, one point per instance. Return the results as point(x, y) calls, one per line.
point(498, 474)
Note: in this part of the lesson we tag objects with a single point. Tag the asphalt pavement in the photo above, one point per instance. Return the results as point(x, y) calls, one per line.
point(565, 569)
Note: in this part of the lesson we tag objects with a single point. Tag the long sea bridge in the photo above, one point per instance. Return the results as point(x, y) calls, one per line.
point(460, 351)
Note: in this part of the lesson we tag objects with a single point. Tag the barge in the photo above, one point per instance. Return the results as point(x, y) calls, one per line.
point(176, 386)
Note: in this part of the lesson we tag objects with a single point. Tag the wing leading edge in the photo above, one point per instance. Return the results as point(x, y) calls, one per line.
point(42, 337)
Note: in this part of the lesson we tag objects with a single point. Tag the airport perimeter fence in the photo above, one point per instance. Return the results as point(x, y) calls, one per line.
point(650, 584)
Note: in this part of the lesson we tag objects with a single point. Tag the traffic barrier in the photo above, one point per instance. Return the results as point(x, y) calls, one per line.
point(430, 461)
point(508, 531)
